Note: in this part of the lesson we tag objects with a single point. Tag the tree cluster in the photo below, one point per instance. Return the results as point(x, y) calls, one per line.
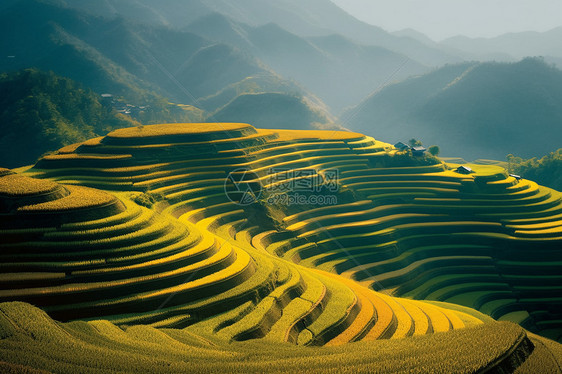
point(546, 170)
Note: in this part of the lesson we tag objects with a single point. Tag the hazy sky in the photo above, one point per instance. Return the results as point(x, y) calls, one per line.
point(440, 19)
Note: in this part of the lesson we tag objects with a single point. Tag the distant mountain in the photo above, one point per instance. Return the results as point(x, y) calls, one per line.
point(274, 110)
point(219, 27)
point(122, 57)
point(35, 34)
point(119, 55)
point(556, 61)
point(140, 66)
point(210, 53)
point(472, 110)
point(338, 70)
point(511, 46)
point(416, 35)
point(265, 83)
point(304, 18)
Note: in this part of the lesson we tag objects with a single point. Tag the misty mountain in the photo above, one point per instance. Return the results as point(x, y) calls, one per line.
point(119, 55)
point(304, 18)
point(335, 68)
point(273, 111)
point(35, 34)
point(141, 66)
point(472, 110)
point(512, 46)
point(416, 35)
point(122, 57)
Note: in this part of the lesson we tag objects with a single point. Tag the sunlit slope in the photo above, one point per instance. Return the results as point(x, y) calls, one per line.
point(134, 349)
point(484, 240)
point(80, 253)
point(409, 225)
point(61, 256)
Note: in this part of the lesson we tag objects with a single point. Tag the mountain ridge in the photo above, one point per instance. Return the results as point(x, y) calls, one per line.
point(511, 46)
point(150, 58)
point(472, 110)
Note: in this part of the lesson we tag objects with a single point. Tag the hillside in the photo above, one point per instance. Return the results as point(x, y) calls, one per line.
point(44, 112)
point(122, 57)
point(472, 110)
point(547, 170)
point(129, 149)
point(221, 186)
point(143, 227)
point(275, 110)
point(101, 230)
point(146, 349)
point(303, 18)
point(338, 70)
point(37, 35)
point(512, 46)
point(330, 54)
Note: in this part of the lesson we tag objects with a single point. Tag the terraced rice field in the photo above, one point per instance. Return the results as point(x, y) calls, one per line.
point(134, 349)
point(131, 265)
point(401, 230)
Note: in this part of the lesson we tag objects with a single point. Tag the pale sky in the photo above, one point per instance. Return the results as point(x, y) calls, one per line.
point(440, 19)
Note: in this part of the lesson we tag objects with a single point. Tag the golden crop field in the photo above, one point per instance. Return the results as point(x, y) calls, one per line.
point(135, 242)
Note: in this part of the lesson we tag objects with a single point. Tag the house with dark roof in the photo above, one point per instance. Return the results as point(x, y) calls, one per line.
point(401, 146)
point(464, 170)
point(418, 150)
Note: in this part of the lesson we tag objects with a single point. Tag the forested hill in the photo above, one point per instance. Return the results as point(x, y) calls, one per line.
point(125, 58)
point(41, 111)
point(472, 110)
point(546, 170)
